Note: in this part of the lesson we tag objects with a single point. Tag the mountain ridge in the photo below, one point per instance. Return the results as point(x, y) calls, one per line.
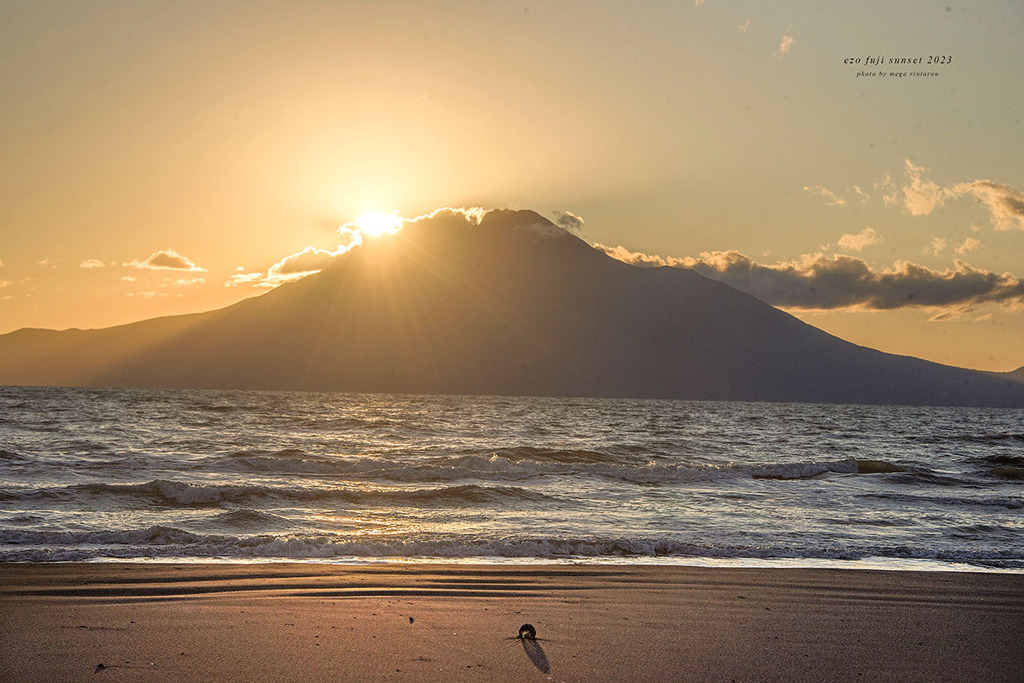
point(509, 305)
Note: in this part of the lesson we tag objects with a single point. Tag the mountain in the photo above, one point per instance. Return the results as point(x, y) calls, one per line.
point(512, 305)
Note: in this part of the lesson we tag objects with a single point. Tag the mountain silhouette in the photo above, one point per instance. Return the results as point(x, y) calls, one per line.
point(513, 305)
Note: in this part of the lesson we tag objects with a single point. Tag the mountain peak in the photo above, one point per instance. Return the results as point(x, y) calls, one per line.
point(458, 223)
point(521, 219)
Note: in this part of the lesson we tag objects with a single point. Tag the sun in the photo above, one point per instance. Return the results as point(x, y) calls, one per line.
point(377, 224)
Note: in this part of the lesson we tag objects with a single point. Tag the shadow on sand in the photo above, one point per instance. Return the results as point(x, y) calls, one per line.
point(536, 654)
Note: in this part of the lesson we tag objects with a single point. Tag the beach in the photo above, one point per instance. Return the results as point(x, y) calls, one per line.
point(397, 621)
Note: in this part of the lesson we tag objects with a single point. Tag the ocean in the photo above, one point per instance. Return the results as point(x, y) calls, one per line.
point(181, 475)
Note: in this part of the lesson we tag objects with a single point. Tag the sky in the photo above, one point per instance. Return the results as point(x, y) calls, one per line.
point(166, 158)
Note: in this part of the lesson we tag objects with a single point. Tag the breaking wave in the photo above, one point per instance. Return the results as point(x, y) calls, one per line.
point(170, 542)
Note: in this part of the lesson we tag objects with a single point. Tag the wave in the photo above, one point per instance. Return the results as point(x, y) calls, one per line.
point(171, 542)
point(218, 409)
point(994, 439)
point(870, 522)
point(1008, 472)
point(25, 519)
point(162, 492)
point(928, 478)
point(283, 454)
point(808, 470)
point(629, 464)
point(803, 470)
point(914, 500)
point(1012, 460)
point(570, 456)
point(11, 457)
point(245, 520)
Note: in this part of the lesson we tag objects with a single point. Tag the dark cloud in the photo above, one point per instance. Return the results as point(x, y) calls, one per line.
point(817, 281)
point(569, 221)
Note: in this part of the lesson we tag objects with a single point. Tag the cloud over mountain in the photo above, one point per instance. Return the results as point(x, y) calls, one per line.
point(817, 281)
point(569, 221)
point(312, 260)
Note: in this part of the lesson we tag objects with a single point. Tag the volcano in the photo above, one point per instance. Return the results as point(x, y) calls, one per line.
point(510, 304)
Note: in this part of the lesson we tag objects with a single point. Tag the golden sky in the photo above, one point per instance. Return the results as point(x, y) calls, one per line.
point(161, 158)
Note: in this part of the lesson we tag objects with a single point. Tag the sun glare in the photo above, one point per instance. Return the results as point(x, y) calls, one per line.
point(377, 224)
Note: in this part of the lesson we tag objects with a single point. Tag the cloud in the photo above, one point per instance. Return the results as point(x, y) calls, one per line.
point(820, 282)
point(569, 221)
point(1, 263)
point(785, 43)
point(298, 265)
point(921, 196)
point(292, 267)
point(936, 246)
point(744, 26)
point(92, 263)
point(864, 238)
point(239, 279)
point(864, 196)
point(312, 260)
point(1005, 203)
point(5, 283)
point(970, 244)
point(637, 258)
point(831, 197)
point(309, 260)
point(48, 262)
point(890, 193)
point(472, 214)
point(165, 259)
point(184, 282)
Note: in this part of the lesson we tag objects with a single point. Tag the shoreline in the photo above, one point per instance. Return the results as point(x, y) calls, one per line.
point(883, 564)
point(414, 621)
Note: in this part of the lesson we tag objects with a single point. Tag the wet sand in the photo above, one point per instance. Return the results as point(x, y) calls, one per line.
point(304, 622)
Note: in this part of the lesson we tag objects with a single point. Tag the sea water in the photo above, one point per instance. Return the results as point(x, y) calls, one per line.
point(90, 474)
